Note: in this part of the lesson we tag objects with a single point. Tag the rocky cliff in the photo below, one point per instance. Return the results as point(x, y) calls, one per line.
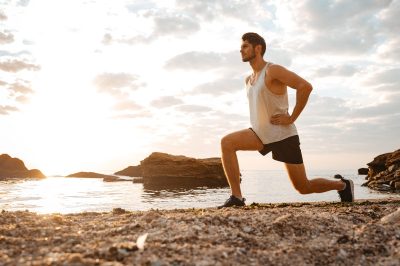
point(384, 172)
point(12, 168)
point(162, 168)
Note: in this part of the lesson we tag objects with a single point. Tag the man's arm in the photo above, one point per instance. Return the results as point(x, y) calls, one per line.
point(303, 89)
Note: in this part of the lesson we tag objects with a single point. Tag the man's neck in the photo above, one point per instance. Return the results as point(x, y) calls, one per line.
point(257, 64)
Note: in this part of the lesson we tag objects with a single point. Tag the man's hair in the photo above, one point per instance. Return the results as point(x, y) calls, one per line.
point(255, 39)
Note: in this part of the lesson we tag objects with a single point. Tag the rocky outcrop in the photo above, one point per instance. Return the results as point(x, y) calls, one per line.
point(106, 178)
point(14, 168)
point(162, 169)
point(132, 171)
point(384, 172)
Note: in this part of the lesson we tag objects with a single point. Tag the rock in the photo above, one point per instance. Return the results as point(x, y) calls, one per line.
point(133, 171)
point(384, 172)
point(363, 171)
point(393, 217)
point(393, 158)
point(378, 164)
point(108, 178)
point(15, 168)
point(163, 168)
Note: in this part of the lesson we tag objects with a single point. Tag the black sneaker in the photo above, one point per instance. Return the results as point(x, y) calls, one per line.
point(347, 194)
point(233, 201)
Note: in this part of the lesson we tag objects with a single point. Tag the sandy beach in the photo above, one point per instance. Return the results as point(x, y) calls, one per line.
point(323, 233)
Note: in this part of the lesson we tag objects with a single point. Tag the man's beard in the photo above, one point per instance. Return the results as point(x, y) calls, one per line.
point(251, 57)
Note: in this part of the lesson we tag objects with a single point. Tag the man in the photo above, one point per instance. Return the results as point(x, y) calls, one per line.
point(273, 128)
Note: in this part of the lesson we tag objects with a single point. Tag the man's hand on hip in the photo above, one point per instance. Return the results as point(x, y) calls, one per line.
point(281, 119)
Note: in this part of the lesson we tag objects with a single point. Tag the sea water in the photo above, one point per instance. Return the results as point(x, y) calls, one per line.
point(72, 195)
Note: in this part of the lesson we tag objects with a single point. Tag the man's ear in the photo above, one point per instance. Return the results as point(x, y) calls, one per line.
point(258, 48)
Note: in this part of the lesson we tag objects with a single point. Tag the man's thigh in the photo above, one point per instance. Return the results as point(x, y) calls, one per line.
point(244, 140)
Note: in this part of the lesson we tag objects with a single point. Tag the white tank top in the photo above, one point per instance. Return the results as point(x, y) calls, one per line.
point(263, 105)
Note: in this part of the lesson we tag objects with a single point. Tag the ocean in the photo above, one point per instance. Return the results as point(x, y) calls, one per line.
point(72, 195)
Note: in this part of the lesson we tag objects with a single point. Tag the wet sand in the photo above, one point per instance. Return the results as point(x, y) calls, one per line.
point(323, 233)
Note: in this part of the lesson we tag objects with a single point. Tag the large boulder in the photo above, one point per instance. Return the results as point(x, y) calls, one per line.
point(162, 168)
point(384, 172)
point(14, 168)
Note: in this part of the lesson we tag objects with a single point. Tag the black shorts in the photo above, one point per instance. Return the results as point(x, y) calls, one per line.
point(286, 150)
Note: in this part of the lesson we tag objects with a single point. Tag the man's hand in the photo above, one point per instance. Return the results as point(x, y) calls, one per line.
point(281, 119)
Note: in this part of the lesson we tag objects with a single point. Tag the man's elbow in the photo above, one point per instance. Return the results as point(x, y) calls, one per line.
point(306, 87)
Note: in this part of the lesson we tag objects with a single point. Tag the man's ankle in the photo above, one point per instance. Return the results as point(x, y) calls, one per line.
point(239, 197)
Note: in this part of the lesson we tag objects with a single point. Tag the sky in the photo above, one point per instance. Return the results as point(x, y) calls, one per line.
point(91, 85)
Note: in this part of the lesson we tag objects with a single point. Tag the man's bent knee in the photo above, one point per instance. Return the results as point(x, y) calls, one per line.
point(227, 143)
point(304, 189)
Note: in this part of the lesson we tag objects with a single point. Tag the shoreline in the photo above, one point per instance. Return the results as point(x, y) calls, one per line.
point(258, 234)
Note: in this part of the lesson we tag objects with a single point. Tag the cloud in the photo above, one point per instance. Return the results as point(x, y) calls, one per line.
point(6, 38)
point(192, 108)
point(200, 61)
point(17, 91)
point(166, 101)
point(2, 16)
point(117, 83)
point(127, 105)
point(334, 124)
point(390, 50)
point(385, 77)
point(23, 3)
point(22, 99)
point(336, 70)
point(186, 17)
point(140, 5)
point(108, 39)
point(220, 87)
point(278, 56)
point(17, 65)
point(7, 53)
point(386, 108)
point(142, 114)
point(345, 27)
point(390, 18)
point(5, 110)
point(209, 10)
point(176, 25)
point(20, 88)
point(321, 16)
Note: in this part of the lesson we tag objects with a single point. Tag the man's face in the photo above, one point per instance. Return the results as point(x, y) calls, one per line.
point(247, 51)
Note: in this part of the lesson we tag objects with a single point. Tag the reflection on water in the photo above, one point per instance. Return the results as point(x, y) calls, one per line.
point(177, 188)
point(68, 195)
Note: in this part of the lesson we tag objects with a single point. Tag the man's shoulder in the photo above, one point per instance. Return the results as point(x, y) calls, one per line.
point(274, 67)
point(274, 70)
